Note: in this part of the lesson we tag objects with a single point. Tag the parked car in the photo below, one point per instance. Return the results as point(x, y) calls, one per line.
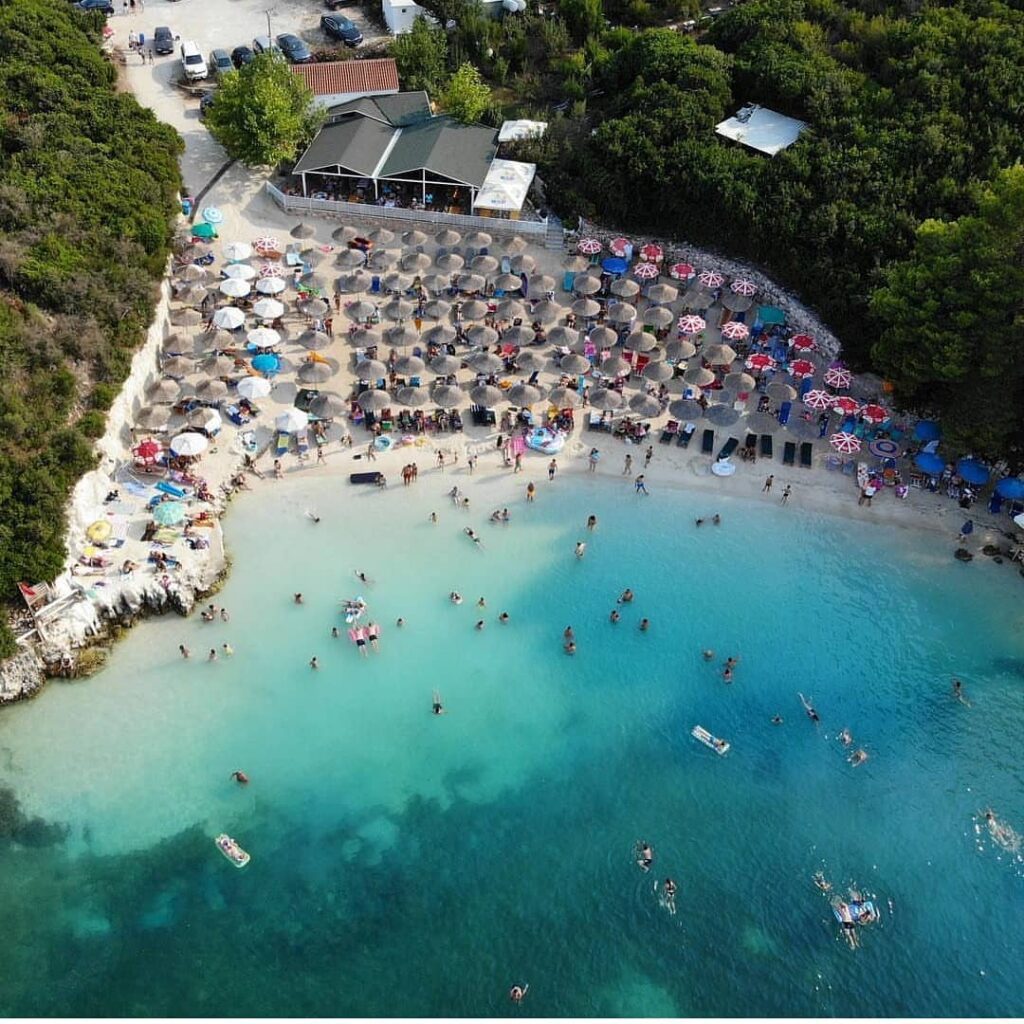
point(264, 44)
point(337, 26)
point(220, 62)
point(294, 48)
point(333, 5)
point(205, 102)
point(163, 40)
point(105, 6)
point(192, 62)
point(241, 55)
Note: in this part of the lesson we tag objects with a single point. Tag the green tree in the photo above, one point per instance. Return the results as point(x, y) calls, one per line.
point(468, 96)
point(263, 112)
point(584, 17)
point(952, 320)
point(422, 57)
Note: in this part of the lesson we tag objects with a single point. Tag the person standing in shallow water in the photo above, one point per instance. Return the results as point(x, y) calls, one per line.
point(627, 468)
point(768, 481)
point(531, 491)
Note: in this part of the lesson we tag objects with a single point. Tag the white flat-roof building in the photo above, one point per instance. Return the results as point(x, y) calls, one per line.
point(762, 129)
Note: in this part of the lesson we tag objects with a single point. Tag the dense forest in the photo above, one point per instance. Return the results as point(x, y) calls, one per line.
point(88, 183)
point(915, 111)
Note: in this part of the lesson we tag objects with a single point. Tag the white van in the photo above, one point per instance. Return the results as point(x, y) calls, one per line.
point(192, 62)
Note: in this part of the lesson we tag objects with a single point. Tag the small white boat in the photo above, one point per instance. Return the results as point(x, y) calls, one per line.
point(717, 745)
point(232, 850)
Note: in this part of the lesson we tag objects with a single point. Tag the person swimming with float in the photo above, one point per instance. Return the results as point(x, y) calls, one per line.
point(822, 882)
point(591, 522)
point(848, 924)
point(708, 655)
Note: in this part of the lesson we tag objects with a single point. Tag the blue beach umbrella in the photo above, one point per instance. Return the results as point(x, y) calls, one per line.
point(929, 462)
point(266, 362)
point(614, 265)
point(1011, 487)
point(169, 513)
point(212, 215)
point(883, 448)
point(973, 471)
point(927, 430)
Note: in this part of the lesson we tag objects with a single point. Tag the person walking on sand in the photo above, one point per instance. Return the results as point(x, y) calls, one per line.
point(440, 461)
point(627, 469)
point(640, 486)
point(371, 455)
point(592, 460)
point(517, 466)
point(768, 481)
point(648, 455)
point(786, 493)
point(552, 469)
point(531, 491)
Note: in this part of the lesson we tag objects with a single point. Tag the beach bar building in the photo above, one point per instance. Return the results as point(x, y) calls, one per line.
point(761, 129)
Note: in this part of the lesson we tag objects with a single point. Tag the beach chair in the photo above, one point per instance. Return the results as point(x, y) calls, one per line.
point(806, 454)
point(686, 435)
point(568, 280)
point(281, 442)
point(302, 441)
point(506, 264)
point(670, 431)
point(767, 451)
point(833, 463)
point(594, 421)
point(750, 443)
point(728, 448)
point(363, 478)
point(789, 454)
point(375, 285)
point(849, 467)
point(168, 488)
point(707, 444)
point(785, 411)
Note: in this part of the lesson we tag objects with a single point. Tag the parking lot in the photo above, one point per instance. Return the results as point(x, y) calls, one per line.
point(215, 24)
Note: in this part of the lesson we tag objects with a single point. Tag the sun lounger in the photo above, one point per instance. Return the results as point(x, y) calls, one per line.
point(168, 488)
point(281, 442)
point(670, 431)
point(785, 411)
point(767, 450)
point(806, 454)
point(751, 443)
point(707, 444)
point(302, 440)
point(363, 478)
point(686, 435)
point(728, 448)
point(789, 454)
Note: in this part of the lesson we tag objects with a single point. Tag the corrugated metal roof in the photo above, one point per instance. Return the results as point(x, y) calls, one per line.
point(342, 76)
point(462, 152)
point(356, 144)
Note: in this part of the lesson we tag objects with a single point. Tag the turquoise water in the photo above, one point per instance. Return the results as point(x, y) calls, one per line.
point(405, 864)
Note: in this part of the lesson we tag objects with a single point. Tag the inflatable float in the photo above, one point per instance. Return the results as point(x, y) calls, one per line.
point(547, 441)
point(232, 850)
point(354, 609)
point(718, 746)
point(857, 909)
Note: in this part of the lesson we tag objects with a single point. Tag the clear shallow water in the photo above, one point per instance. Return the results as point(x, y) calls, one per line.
point(410, 865)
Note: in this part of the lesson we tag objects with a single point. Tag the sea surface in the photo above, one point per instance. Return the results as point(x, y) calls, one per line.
point(415, 865)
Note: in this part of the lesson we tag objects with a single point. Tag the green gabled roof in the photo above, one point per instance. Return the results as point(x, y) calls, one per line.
point(462, 152)
point(356, 144)
point(399, 109)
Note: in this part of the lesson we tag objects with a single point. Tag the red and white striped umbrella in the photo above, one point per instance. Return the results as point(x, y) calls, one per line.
point(818, 400)
point(845, 443)
point(589, 246)
point(846, 405)
point(759, 361)
point(681, 271)
point(645, 271)
point(735, 330)
point(270, 270)
point(744, 287)
point(617, 246)
point(710, 278)
point(691, 324)
point(874, 413)
point(837, 377)
point(803, 342)
point(266, 243)
point(802, 368)
point(652, 252)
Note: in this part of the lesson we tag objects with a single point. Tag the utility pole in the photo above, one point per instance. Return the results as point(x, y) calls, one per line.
point(268, 12)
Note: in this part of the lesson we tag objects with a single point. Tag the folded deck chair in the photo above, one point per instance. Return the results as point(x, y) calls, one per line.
point(686, 435)
point(789, 453)
point(363, 478)
point(670, 431)
point(806, 454)
point(707, 445)
point(784, 412)
point(728, 448)
point(281, 442)
point(302, 440)
point(767, 450)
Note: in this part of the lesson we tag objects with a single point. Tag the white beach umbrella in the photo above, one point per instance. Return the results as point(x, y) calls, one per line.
point(413, 396)
point(254, 387)
point(659, 372)
point(484, 264)
point(573, 363)
point(447, 396)
point(524, 263)
point(189, 443)
point(292, 420)
point(264, 337)
point(239, 271)
point(270, 285)
point(562, 335)
point(485, 362)
point(585, 308)
point(481, 335)
point(640, 341)
point(235, 287)
point(229, 318)
point(410, 366)
point(315, 341)
point(315, 373)
point(236, 251)
point(268, 309)
point(205, 419)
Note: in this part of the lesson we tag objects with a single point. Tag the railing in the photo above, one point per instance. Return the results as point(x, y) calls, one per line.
point(397, 215)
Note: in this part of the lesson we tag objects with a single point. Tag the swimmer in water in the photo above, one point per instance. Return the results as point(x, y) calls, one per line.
point(313, 662)
point(437, 707)
point(240, 777)
point(212, 656)
point(334, 632)
point(496, 516)
point(731, 662)
point(846, 737)
point(363, 578)
point(399, 623)
point(479, 624)
point(848, 924)
point(373, 635)
point(591, 522)
point(645, 855)
point(698, 522)
point(471, 534)
point(433, 517)
point(822, 882)
point(614, 617)
point(570, 647)
point(858, 757)
point(626, 596)
point(776, 719)
point(645, 624)
point(455, 597)
point(312, 516)
point(708, 655)
point(503, 618)
point(727, 674)
point(568, 634)
point(517, 993)
point(481, 603)
point(298, 599)
point(809, 708)
point(581, 549)
point(184, 651)
point(227, 649)
point(958, 693)
point(716, 519)
point(1002, 833)
point(669, 899)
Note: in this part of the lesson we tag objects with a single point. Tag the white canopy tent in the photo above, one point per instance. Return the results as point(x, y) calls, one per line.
point(505, 187)
point(759, 128)
point(513, 131)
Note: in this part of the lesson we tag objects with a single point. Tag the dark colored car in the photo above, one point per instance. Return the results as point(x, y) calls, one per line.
point(241, 55)
point(333, 5)
point(220, 62)
point(294, 48)
point(163, 40)
point(205, 102)
point(337, 26)
point(96, 5)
